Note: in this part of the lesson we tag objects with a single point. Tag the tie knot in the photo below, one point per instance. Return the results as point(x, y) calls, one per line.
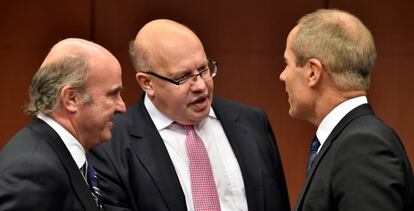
point(189, 129)
point(315, 144)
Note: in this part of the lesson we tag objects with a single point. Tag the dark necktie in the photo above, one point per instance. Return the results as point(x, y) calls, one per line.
point(203, 187)
point(89, 174)
point(313, 151)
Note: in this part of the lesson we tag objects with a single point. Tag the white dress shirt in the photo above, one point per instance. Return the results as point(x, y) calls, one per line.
point(335, 116)
point(73, 145)
point(226, 170)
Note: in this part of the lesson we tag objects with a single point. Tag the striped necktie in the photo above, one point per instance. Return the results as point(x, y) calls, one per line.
point(89, 174)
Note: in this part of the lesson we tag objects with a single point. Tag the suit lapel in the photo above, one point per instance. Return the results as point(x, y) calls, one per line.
point(151, 151)
point(78, 183)
point(245, 150)
point(358, 111)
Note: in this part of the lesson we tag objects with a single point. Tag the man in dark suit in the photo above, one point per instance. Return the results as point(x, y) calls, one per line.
point(356, 162)
point(73, 96)
point(149, 163)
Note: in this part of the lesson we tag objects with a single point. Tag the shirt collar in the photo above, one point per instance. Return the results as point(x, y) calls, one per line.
point(336, 115)
point(71, 143)
point(161, 121)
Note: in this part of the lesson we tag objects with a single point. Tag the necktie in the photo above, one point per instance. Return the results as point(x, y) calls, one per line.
point(313, 151)
point(89, 174)
point(203, 187)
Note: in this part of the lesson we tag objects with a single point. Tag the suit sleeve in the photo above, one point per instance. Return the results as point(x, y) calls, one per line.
point(368, 174)
point(114, 196)
point(280, 176)
point(28, 183)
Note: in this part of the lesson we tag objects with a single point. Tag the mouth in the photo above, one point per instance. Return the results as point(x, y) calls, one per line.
point(110, 123)
point(200, 99)
point(200, 103)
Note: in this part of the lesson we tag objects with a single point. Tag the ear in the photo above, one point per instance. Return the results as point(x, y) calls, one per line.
point(315, 70)
point(70, 98)
point(145, 82)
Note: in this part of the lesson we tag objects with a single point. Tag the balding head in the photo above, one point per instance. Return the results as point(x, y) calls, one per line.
point(70, 62)
point(341, 42)
point(161, 41)
point(74, 47)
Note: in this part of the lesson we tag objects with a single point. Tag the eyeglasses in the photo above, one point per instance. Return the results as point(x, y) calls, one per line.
point(206, 73)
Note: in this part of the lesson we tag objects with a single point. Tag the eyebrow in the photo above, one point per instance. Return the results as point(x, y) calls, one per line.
point(187, 72)
point(115, 90)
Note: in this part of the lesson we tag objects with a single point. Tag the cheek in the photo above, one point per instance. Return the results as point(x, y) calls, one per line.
point(177, 103)
point(106, 108)
point(210, 86)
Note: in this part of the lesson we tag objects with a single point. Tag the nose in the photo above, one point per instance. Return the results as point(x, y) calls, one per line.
point(282, 76)
point(120, 106)
point(197, 83)
point(195, 77)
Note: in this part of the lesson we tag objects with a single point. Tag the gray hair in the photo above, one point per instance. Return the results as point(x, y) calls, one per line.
point(346, 48)
point(48, 81)
point(140, 58)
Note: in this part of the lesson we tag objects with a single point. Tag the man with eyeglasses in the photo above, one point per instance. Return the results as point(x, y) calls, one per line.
point(181, 149)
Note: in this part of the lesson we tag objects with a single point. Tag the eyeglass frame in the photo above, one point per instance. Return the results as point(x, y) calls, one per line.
point(212, 65)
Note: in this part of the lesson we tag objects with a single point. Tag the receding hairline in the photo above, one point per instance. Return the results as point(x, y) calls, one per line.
point(349, 22)
point(158, 35)
point(351, 25)
point(160, 27)
point(74, 47)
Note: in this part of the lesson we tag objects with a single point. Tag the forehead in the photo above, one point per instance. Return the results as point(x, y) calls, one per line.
point(289, 40)
point(104, 71)
point(184, 62)
point(175, 50)
point(291, 36)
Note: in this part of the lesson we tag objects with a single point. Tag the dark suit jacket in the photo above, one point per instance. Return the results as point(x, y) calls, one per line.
point(37, 172)
point(136, 172)
point(362, 166)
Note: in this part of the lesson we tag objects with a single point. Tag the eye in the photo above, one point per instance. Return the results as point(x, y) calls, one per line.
point(202, 68)
point(114, 93)
point(205, 71)
point(184, 77)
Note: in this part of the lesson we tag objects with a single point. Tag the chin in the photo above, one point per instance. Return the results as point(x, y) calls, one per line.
point(105, 140)
point(106, 137)
point(197, 119)
point(204, 113)
point(292, 113)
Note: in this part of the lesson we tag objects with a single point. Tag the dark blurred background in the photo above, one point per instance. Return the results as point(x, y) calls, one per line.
point(247, 38)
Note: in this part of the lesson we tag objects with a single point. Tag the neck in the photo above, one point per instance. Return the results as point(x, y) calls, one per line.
point(329, 101)
point(66, 122)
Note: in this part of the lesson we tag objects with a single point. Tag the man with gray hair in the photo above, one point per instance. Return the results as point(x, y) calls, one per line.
point(73, 96)
point(356, 161)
